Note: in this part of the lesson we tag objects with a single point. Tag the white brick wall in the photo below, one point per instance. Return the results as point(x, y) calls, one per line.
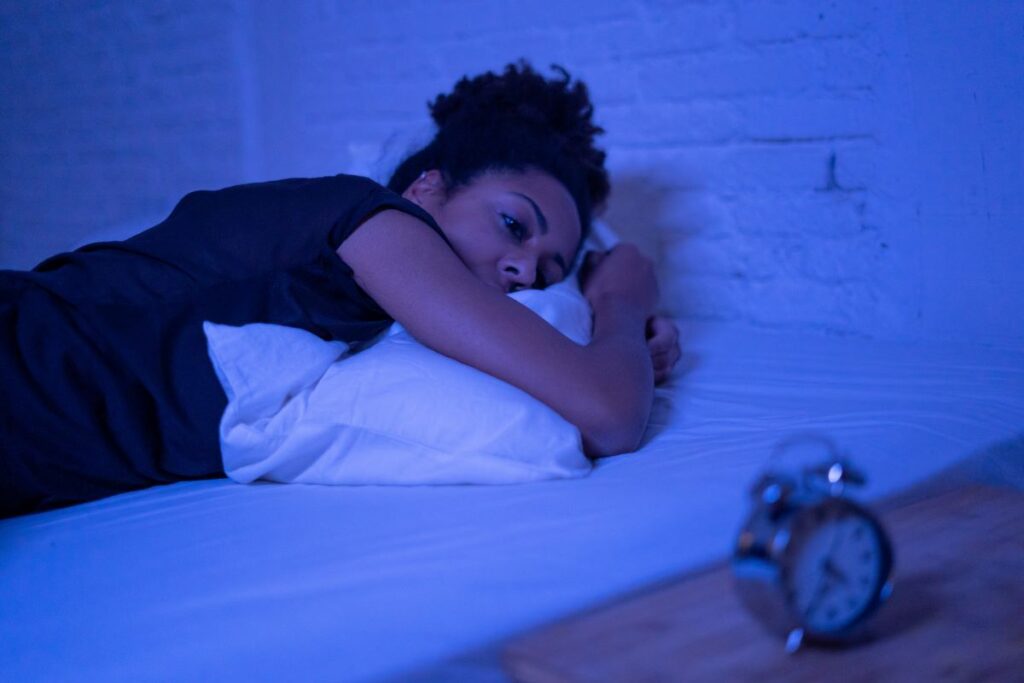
point(109, 111)
point(844, 166)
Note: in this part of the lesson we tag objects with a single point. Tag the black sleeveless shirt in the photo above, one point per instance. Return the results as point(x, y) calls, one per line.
point(103, 362)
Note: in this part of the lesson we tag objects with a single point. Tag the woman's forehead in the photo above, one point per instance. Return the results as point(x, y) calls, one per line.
point(550, 196)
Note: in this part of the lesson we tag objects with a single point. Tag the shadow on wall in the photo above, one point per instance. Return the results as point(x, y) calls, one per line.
point(640, 211)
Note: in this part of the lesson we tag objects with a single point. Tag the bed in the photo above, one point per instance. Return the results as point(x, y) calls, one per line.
point(220, 581)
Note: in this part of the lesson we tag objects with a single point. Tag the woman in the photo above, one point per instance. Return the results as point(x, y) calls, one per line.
point(104, 363)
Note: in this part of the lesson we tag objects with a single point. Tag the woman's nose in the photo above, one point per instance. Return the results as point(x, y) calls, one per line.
point(518, 273)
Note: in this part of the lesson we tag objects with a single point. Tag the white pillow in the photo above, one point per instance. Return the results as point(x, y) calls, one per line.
point(301, 410)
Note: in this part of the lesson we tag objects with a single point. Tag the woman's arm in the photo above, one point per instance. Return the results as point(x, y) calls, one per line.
point(605, 388)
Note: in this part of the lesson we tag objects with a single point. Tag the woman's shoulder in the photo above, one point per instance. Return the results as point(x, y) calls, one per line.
point(378, 198)
point(337, 187)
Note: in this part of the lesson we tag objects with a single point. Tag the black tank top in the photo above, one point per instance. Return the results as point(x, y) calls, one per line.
point(107, 383)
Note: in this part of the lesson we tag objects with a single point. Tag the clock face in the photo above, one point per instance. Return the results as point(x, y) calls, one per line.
point(836, 565)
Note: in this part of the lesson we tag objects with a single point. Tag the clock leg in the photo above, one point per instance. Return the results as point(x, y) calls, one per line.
point(794, 640)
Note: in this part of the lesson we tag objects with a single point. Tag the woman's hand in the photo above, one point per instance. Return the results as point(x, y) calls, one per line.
point(622, 273)
point(663, 344)
point(625, 272)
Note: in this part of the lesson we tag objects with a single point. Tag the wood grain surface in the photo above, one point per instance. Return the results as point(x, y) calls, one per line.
point(957, 614)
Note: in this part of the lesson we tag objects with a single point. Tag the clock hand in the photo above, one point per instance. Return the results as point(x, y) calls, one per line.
point(828, 571)
point(832, 571)
point(823, 589)
point(828, 567)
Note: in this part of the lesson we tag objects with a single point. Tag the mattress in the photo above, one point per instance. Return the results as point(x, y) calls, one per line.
point(216, 580)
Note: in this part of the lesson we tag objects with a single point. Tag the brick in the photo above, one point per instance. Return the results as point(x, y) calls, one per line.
point(492, 53)
point(793, 167)
point(617, 43)
point(696, 214)
point(812, 214)
point(704, 298)
point(678, 169)
point(831, 261)
point(794, 19)
point(728, 74)
point(689, 28)
point(856, 166)
point(808, 117)
point(609, 85)
point(837, 68)
point(848, 65)
point(792, 304)
point(667, 124)
point(529, 14)
point(712, 258)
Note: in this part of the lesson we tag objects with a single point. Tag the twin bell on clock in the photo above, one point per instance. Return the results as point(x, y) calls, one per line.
point(810, 563)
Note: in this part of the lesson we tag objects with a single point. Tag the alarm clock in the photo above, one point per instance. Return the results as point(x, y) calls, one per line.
point(810, 563)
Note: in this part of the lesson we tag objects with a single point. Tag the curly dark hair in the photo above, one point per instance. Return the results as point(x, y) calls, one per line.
point(514, 121)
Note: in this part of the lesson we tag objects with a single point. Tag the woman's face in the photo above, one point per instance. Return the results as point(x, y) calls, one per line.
point(514, 230)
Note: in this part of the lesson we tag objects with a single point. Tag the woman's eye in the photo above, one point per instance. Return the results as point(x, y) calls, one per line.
point(516, 228)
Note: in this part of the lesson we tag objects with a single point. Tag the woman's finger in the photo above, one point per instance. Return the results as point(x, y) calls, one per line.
point(661, 327)
point(663, 345)
point(660, 347)
point(662, 334)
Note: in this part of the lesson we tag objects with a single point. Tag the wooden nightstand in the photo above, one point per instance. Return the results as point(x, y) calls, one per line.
point(957, 614)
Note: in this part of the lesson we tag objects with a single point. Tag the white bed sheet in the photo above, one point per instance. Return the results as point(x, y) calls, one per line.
point(220, 581)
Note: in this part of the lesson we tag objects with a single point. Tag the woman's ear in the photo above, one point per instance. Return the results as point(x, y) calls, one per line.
point(428, 190)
